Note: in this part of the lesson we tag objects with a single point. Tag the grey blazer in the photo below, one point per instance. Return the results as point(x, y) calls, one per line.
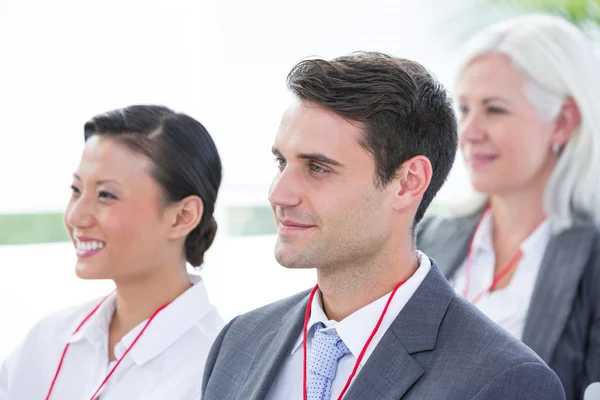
point(563, 322)
point(439, 347)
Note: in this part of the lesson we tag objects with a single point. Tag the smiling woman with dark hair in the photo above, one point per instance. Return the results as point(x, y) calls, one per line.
point(142, 206)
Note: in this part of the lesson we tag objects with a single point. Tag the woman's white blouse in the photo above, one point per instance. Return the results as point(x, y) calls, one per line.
point(507, 307)
point(167, 362)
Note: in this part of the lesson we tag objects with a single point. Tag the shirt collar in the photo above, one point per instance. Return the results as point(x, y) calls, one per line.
point(483, 236)
point(168, 325)
point(355, 329)
point(95, 329)
point(538, 239)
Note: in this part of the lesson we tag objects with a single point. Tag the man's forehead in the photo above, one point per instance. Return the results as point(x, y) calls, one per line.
point(311, 125)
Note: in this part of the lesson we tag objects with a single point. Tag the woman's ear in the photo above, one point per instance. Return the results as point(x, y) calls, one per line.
point(565, 123)
point(185, 216)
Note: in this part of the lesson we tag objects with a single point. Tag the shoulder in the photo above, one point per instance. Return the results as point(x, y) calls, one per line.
point(248, 329)
point(68, 317)
point(43, 343)
point(501, 360)
point(270, 314)
point(579, 245)
point(485, 343)
point(55, 327)
point(524, 381)
point(235, 347)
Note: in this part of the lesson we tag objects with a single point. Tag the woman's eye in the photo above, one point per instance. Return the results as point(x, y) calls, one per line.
point(496, 110)
point(107, 195)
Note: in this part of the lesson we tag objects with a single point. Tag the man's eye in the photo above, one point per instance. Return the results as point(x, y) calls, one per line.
point(317, 169)
point(281, 163)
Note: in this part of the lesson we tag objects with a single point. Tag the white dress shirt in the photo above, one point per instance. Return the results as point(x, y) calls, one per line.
point(354, 330)
point(167, 362)
point(507, 306)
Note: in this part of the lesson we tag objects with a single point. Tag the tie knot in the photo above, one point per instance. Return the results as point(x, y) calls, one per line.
point(327, 349)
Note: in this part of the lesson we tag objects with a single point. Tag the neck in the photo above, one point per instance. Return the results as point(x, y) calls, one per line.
point(138, 299)
point(515, 217)
point(346, 289)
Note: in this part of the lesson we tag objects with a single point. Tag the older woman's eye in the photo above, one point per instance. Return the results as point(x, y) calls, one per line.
point(496, 110)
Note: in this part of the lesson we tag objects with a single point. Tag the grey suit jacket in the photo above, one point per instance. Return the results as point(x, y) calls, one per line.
point(439, 347)
point(563, 322)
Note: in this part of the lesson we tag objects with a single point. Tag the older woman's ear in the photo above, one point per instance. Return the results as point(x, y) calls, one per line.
point(566, 122)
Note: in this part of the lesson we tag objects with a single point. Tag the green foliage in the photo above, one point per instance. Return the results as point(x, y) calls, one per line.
point(252, 220)
point(32, 228)
point(459, 20)
point(580, 12)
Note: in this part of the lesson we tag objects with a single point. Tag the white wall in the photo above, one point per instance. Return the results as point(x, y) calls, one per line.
point(221, 61)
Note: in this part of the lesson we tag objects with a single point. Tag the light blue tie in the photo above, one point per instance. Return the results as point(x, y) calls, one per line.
point(326, 350)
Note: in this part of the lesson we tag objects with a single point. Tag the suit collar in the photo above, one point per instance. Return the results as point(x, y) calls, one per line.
point(414, 330)
point(271, 352)
point(562, 267)
point(356, 328)
point(391, 370)
point(565, 259)
point(418, 324)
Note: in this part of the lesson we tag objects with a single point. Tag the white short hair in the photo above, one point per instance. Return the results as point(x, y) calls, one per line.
point(557, 61)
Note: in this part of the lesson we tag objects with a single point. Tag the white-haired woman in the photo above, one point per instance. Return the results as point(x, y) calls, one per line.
point(529, 254)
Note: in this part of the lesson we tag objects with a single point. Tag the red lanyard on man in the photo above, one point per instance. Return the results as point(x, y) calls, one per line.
point(60, 363)
point(501, 274)
point(362, 353)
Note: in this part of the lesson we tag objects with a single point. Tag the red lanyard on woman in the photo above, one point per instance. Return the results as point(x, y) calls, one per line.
point(60, 363)
point(501, 274)
point(364, 349)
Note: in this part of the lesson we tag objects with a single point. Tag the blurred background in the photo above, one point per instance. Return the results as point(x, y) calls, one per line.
point(223, 62)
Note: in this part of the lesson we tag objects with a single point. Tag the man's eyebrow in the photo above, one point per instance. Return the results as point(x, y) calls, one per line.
point(318, 157)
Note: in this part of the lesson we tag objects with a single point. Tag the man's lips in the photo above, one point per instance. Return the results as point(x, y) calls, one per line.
point(287, 225)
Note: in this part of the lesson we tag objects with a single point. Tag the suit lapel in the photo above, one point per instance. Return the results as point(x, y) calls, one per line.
point(270, 354)
point(388, 374)
point(565, 259)
point(391, 371)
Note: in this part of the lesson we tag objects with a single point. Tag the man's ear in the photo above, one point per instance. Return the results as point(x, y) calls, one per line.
point(412, 181)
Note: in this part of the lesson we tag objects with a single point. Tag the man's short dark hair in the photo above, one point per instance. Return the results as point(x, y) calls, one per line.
point(404, 110)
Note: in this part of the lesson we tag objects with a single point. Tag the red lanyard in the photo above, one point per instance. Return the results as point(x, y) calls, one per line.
point(364, 349)
point(501, 274)
point(118, 361)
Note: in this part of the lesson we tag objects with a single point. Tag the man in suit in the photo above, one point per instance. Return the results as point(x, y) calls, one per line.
point(362, 151)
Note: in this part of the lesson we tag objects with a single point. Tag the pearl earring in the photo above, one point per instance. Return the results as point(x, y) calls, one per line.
point(555, 147)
